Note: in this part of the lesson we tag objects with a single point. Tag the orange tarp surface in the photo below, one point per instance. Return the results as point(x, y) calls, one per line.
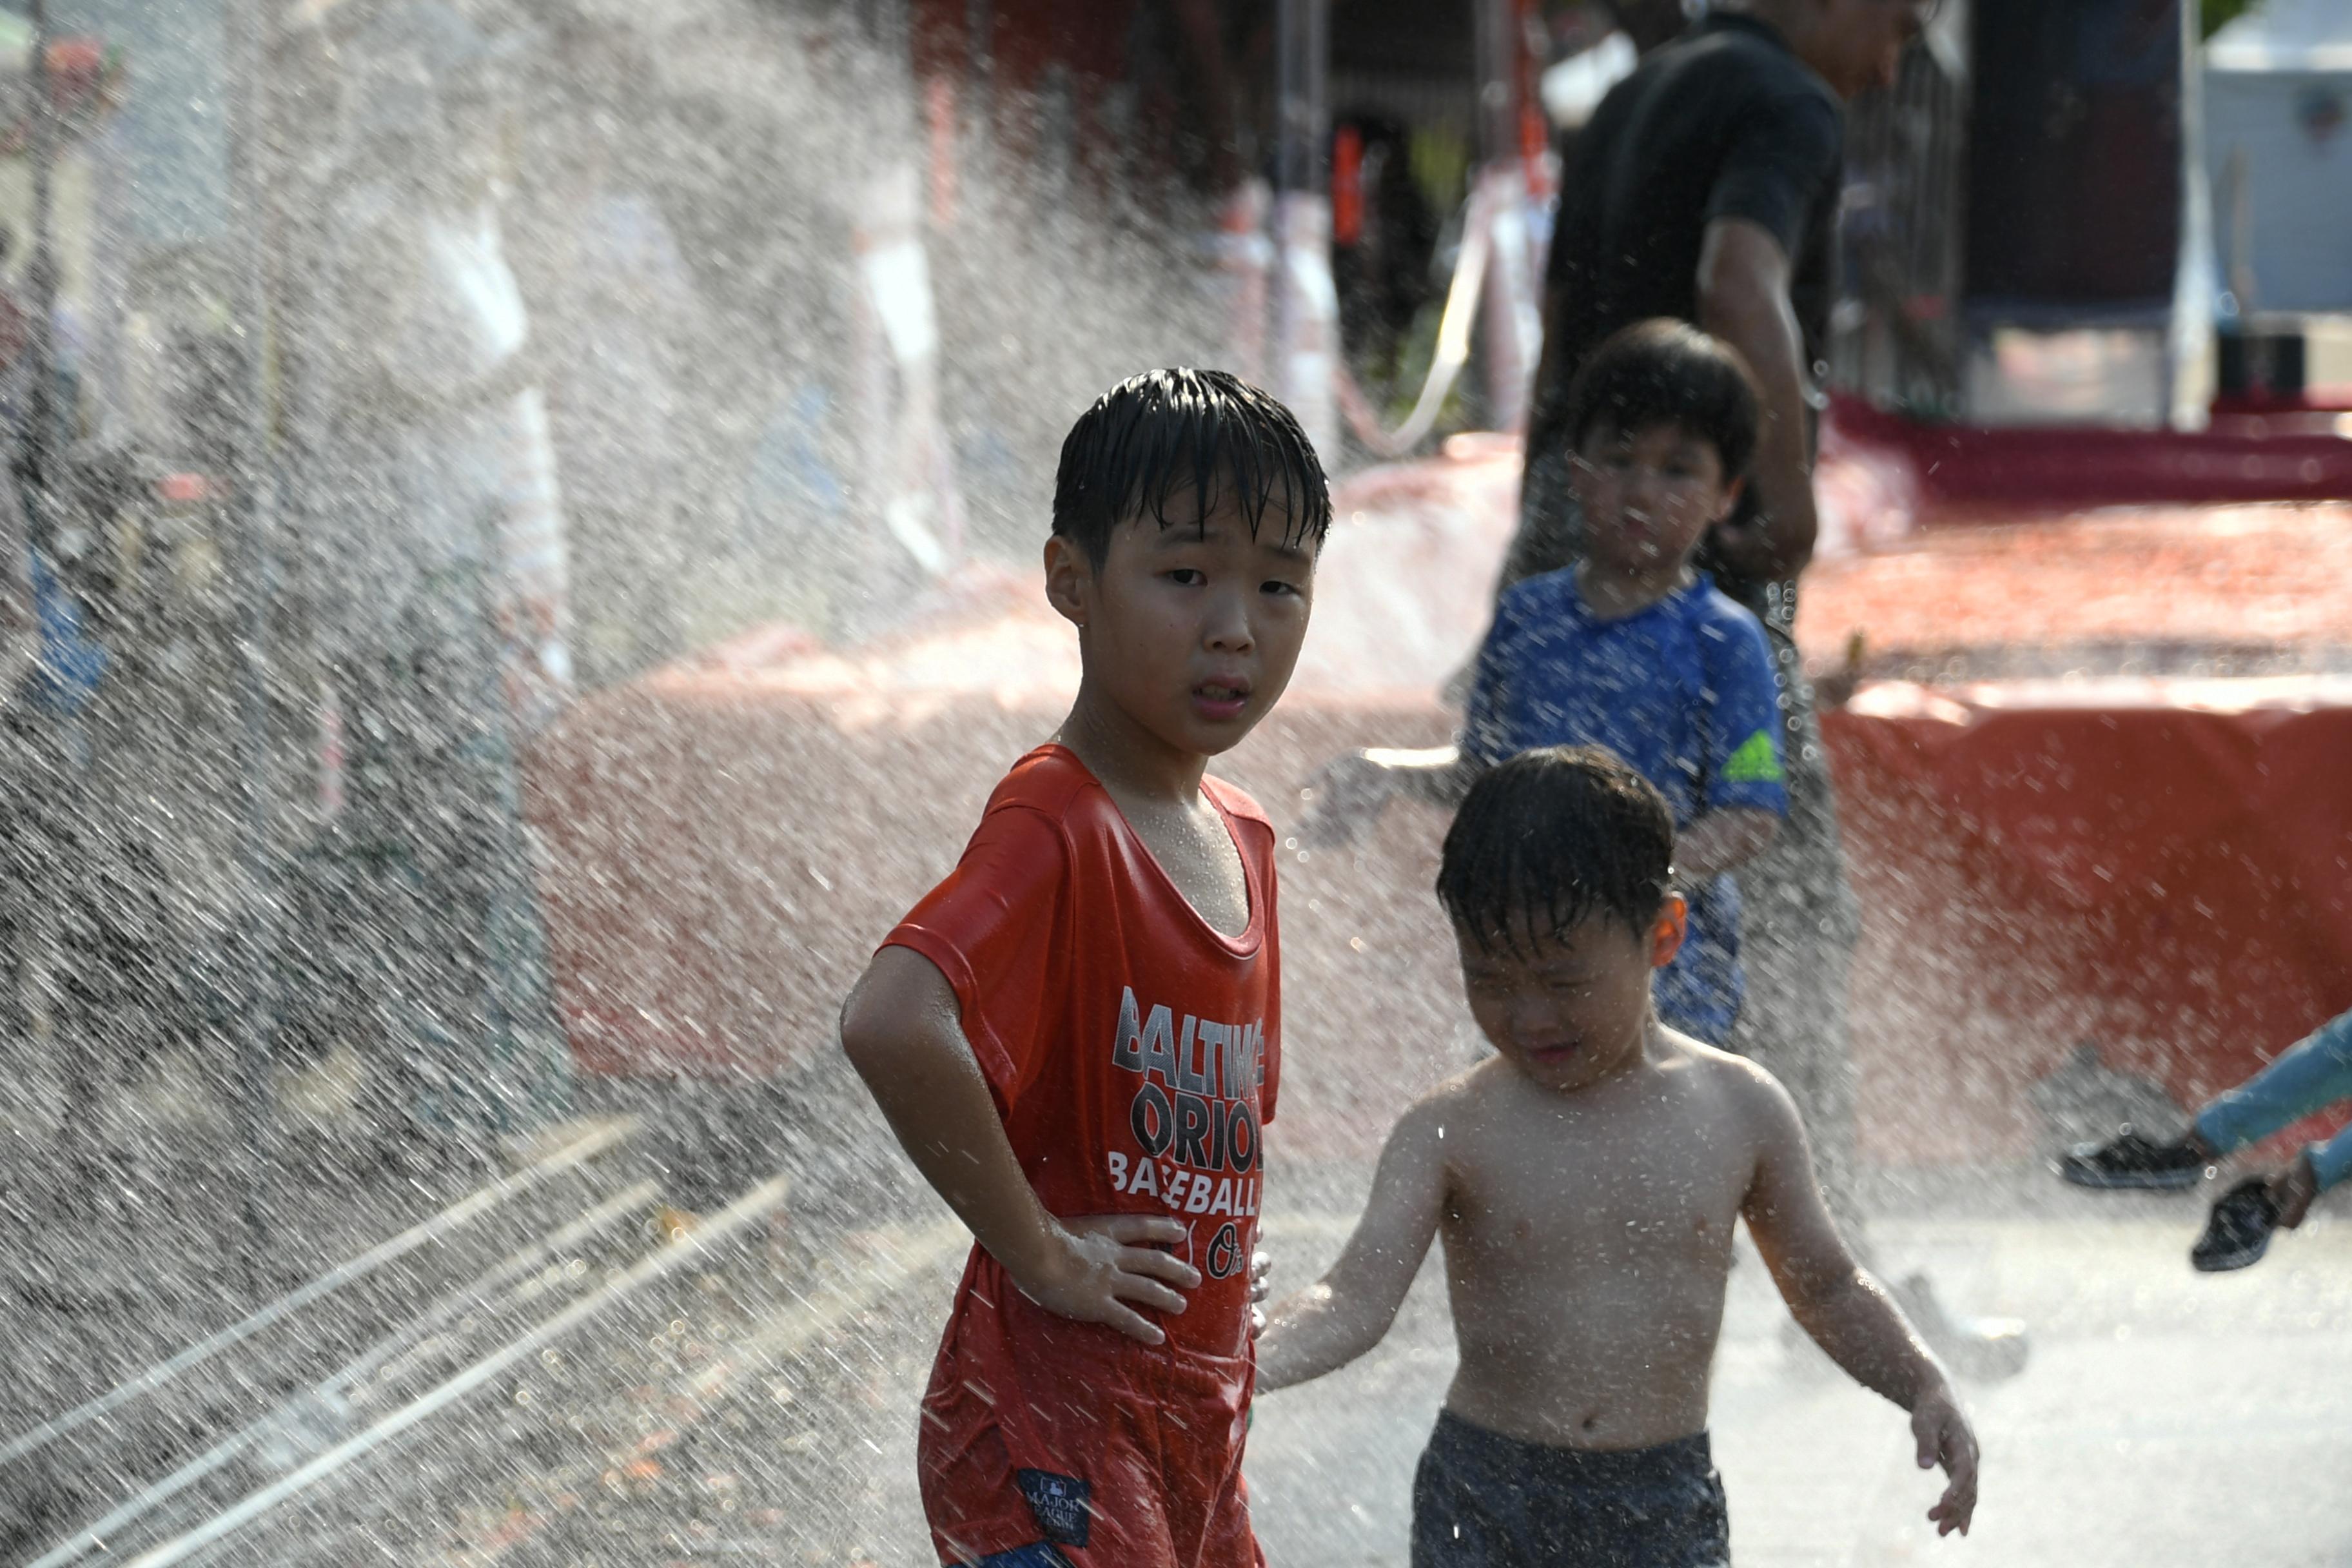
point(2162, 867)
point(2152, 588)
point(2163, 870)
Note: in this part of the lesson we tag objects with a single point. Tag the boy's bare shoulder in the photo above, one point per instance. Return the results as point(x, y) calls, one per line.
point(1472, 1089)
point(1456, 1106)
point(1746, 1088)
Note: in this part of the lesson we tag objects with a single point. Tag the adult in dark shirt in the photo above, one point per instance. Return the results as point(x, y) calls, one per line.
point(1705, 188)
point(1648, 23)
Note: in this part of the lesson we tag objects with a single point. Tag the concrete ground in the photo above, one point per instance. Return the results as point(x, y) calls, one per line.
point(2165, 1417)
point(764, 1411)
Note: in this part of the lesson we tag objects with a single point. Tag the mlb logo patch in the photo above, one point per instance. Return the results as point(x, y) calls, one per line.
point(1060, 1504)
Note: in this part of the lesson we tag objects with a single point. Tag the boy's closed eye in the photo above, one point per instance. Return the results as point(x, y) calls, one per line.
point(1558, 984)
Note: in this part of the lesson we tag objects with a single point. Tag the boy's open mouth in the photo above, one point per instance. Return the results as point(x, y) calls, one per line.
point(1222, 698)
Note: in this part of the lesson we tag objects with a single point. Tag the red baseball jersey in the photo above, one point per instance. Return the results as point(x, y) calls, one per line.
point(1133, 1052)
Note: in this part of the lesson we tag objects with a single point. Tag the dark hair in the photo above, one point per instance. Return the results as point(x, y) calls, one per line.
point(1664, 372)
point(1565, 832)
point(1166, 431)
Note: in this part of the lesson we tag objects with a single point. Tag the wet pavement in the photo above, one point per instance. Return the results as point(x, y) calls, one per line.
point(756, 1403)
point(2166, 1418)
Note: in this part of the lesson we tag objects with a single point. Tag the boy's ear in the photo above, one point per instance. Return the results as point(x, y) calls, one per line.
point(1728, 502)
point(1667, 931)
point(1069, 579)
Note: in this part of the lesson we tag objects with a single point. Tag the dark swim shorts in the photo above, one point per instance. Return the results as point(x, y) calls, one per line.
point(1484, 1501)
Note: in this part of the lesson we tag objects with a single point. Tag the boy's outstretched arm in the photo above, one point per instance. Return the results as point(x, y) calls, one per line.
point(902, 1031)
point(1846, 1311)
point(1339, 1317)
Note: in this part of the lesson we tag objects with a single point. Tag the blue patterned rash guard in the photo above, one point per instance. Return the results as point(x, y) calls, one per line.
point(1682, 691)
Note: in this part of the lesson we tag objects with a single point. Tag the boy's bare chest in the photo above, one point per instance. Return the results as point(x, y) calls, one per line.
point(1636, 1187)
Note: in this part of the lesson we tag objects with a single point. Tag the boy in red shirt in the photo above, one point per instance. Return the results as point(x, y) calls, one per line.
point(1077, 1035)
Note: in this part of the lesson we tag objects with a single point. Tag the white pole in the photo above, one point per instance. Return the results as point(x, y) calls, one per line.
point(1305, 302)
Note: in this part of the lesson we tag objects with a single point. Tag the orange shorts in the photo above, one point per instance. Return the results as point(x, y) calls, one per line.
point(1120, 1455)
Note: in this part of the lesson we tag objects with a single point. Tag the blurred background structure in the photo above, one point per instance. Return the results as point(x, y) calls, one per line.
point(518, 559)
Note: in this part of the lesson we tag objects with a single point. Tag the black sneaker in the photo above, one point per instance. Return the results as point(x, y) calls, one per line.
point(2237, 1231)
point(2130, 1161)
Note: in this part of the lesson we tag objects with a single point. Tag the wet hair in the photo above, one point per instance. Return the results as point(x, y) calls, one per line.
point(1166, 433)
point(1664, 372)
point(1557, 834)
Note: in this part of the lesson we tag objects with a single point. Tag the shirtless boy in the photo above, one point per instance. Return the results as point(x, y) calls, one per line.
point(1077, 1036)
point(1585, 1181)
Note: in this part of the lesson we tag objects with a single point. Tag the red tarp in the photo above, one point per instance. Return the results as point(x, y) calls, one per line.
point(2053, 466)
point(724, 858)
point(2172, 882)
point(2163, 868)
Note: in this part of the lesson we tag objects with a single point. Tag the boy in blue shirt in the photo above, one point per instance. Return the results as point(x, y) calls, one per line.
point(1631, 649)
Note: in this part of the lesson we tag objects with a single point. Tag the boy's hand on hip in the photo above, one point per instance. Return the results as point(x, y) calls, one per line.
point(1100, 1263)
point(1945, 1437)
point(1261, 1287)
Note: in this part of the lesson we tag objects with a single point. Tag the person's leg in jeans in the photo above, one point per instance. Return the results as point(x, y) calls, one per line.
point(2330, 1162)
point(2310, 1076)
